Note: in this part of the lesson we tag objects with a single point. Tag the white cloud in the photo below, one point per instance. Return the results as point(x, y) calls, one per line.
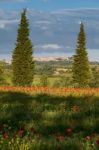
point(50, 46)
point(93, 54)
point(3, 23)
point(44, 28)
point(79, 22)
point(68, 47)
point(43, 22)
point(89, 49)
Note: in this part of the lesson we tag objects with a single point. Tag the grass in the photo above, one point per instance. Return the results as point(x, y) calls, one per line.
point(48, 122)
point(53, 80)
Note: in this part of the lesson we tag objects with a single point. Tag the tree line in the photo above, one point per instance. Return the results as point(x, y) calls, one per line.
point(23, 63)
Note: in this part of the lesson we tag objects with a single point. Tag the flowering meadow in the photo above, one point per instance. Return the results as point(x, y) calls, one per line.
point(49, 90)
point(43, 118)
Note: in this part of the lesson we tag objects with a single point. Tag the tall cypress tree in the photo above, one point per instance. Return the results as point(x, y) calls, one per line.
point(22, 59)
point(81, 67)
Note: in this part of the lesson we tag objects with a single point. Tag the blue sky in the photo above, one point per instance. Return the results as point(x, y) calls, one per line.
point(48, 5)
point(53, 33)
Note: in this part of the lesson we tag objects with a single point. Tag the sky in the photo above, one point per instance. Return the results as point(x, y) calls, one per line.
point(54, 25)
point(48, 5)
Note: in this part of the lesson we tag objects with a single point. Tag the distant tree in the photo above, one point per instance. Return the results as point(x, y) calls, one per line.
point(81, 68)
point(62, 81)
point(22, 59)
point(2, 76)
point(45, 73)
point(95, 79)
point(44, 80)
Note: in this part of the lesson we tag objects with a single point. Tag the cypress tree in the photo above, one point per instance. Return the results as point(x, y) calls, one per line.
point(22, 59)
point(81, 67)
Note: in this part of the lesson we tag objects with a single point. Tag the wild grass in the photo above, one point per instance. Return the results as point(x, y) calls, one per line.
point(48, 122)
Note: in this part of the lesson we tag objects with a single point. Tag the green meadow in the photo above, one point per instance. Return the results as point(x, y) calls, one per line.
point(48, 122)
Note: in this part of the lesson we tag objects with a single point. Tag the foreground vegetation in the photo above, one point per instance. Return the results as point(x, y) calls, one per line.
point(38, 121)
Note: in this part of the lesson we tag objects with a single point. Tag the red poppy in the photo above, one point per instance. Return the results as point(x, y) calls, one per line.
point(88, 138)
point(5, 135)
point(97, 141)
point(21, 132)
point(69, 131)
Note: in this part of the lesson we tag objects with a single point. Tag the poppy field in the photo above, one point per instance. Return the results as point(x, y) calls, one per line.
point(42, 118)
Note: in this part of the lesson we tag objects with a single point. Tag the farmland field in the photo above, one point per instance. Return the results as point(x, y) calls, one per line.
point(42, 118)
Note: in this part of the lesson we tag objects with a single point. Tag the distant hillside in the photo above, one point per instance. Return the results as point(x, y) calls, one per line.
point(47, 59)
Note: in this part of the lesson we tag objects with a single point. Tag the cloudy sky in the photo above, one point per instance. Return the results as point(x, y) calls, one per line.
point(54, 26)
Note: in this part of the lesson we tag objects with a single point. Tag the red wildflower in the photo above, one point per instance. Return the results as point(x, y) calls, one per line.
point(21, 132)
point(88, 138)
point(75, 108)
point(97, 141)
point(69, 131)
point(5, 135)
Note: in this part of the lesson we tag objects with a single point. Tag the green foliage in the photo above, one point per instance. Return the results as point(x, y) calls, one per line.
point(95, 79)
point(45, 72)
point(81, 68)
point(2, 70)
point(41, 121)
point(43, 68)
point(44, 80)
point(66, 81)
point(22, 60)
point(62, 81)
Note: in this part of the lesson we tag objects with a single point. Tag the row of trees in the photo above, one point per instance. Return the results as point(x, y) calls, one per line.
point(23, 64)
